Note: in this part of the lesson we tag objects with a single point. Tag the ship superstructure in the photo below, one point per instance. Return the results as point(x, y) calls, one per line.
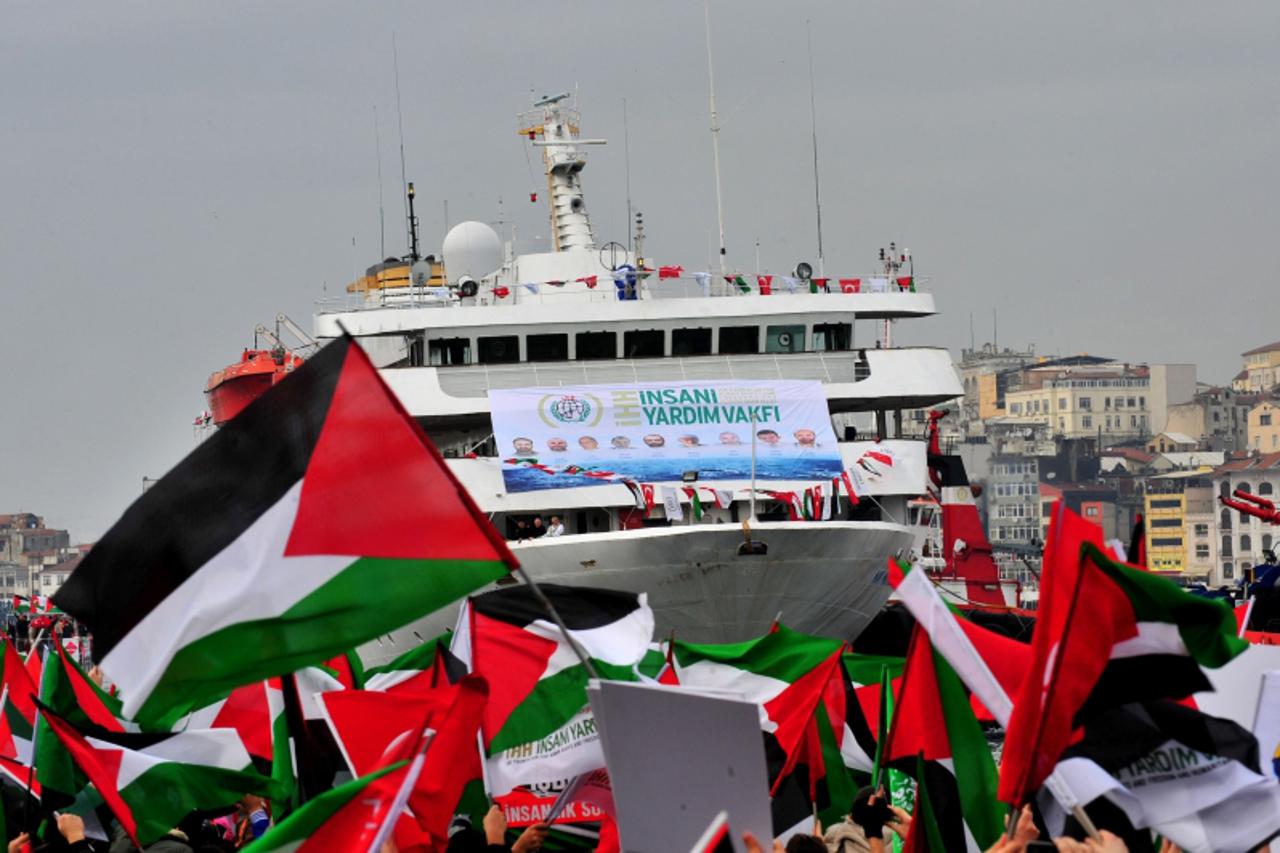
point(482, 318)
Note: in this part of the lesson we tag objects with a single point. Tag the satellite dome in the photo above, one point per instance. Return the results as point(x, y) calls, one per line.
point(471, 250)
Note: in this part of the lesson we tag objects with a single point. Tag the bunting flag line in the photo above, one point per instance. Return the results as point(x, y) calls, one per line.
point(766, 284)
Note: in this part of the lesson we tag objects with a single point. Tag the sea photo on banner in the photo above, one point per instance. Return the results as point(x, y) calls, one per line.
point(570, 436)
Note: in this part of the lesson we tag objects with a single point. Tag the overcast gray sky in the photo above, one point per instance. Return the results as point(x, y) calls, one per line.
point(173, 173)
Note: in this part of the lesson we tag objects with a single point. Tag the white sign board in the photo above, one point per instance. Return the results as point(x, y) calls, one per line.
point(678, 758)
point(654, 432)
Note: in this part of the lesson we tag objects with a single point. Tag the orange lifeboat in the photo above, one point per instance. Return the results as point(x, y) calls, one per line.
point(231, 389)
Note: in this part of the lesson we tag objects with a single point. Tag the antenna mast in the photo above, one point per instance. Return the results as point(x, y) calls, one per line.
point(715, 138)
point(813, 114)
point(382, 213)
point(626, 159)
point(404, 180)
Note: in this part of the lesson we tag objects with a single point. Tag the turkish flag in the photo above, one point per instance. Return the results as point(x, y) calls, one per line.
point(850, 285)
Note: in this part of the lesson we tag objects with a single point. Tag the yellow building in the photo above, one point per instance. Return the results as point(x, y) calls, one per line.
point(1264, 428)
point(1261, 368)
point(1179, 511)
point(1165, 513)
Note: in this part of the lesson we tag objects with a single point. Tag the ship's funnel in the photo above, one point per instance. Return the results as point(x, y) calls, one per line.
point(471, 250)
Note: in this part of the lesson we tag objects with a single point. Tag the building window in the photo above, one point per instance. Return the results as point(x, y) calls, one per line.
point(596, 344)
point(1165, 522)
point(646, 343)
point(691, 342)
point(504, 349)
point(1224, 489)
point(1086, 422)
point(1244, 486)
point(1202, 530)
point(1106, 402)
point(1202, 552)
point(739, 340)
point(547, 348)
point(1226, 547)
point(1167, 542)
point(1264, 488)
point(1062, 402)
point(1246, 544)
point(1264, 420)
point(1086, 403)
point(784, 339)
point(1091, 512)
point(1226, 519)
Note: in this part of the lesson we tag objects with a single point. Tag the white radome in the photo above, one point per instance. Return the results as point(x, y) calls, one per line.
point(471, 250)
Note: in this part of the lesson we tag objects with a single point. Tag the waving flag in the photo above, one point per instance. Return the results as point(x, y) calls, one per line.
point(537, 724)
point(276, 530)
point(151, 782)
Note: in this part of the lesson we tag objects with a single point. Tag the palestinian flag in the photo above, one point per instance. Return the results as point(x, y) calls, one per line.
point(345, 818)
point(151, 782)
point(863, 705)
point(68, 692)
point(1192, 778)
point(907, 284)
point(317, 519)
point(793, 677)
point(419, 667)
point(18, 715)
point(537, 724)
point(1130, 636)
point(739, 282)
point(935, 736)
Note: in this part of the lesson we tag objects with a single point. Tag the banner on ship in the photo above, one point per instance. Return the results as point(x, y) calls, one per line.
point(890, 467)
point(554, 438)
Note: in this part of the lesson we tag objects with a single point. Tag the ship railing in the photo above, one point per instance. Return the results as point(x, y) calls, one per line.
point(604, 290)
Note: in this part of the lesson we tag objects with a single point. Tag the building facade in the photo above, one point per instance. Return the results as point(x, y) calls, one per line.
point(1242, 539)
point(1104, 400)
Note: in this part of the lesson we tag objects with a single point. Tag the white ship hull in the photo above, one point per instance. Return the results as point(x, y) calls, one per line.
point(826, 578)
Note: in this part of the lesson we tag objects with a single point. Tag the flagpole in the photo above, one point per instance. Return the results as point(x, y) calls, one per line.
point(402, 795)
point(555, 617)
point(753, 465)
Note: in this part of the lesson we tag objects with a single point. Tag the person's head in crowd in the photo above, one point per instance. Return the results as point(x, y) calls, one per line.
point(537, 522)
point(806, 844)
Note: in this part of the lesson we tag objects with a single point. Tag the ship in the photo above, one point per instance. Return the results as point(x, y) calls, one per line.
point(451, 333)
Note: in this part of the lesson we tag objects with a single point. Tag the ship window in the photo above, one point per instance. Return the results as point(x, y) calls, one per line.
point(646, 343)
point(691, 342)
point(547, 348)
point(503, 349)
point(739, 340)
point(832, 337)
point(784, 339)
point(597, 344)
point(447, 351)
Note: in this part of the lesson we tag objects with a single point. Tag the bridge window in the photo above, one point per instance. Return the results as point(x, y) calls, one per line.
point(691, 342)
point(646, 343)
point(739, 340)
point(597, 344)
point(501, 349)
point(832, 337)
point(547, 348)
point(448, 351)
point(784, 339)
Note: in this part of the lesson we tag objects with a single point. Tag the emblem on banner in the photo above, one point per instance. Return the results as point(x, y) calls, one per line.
point(570, 409)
